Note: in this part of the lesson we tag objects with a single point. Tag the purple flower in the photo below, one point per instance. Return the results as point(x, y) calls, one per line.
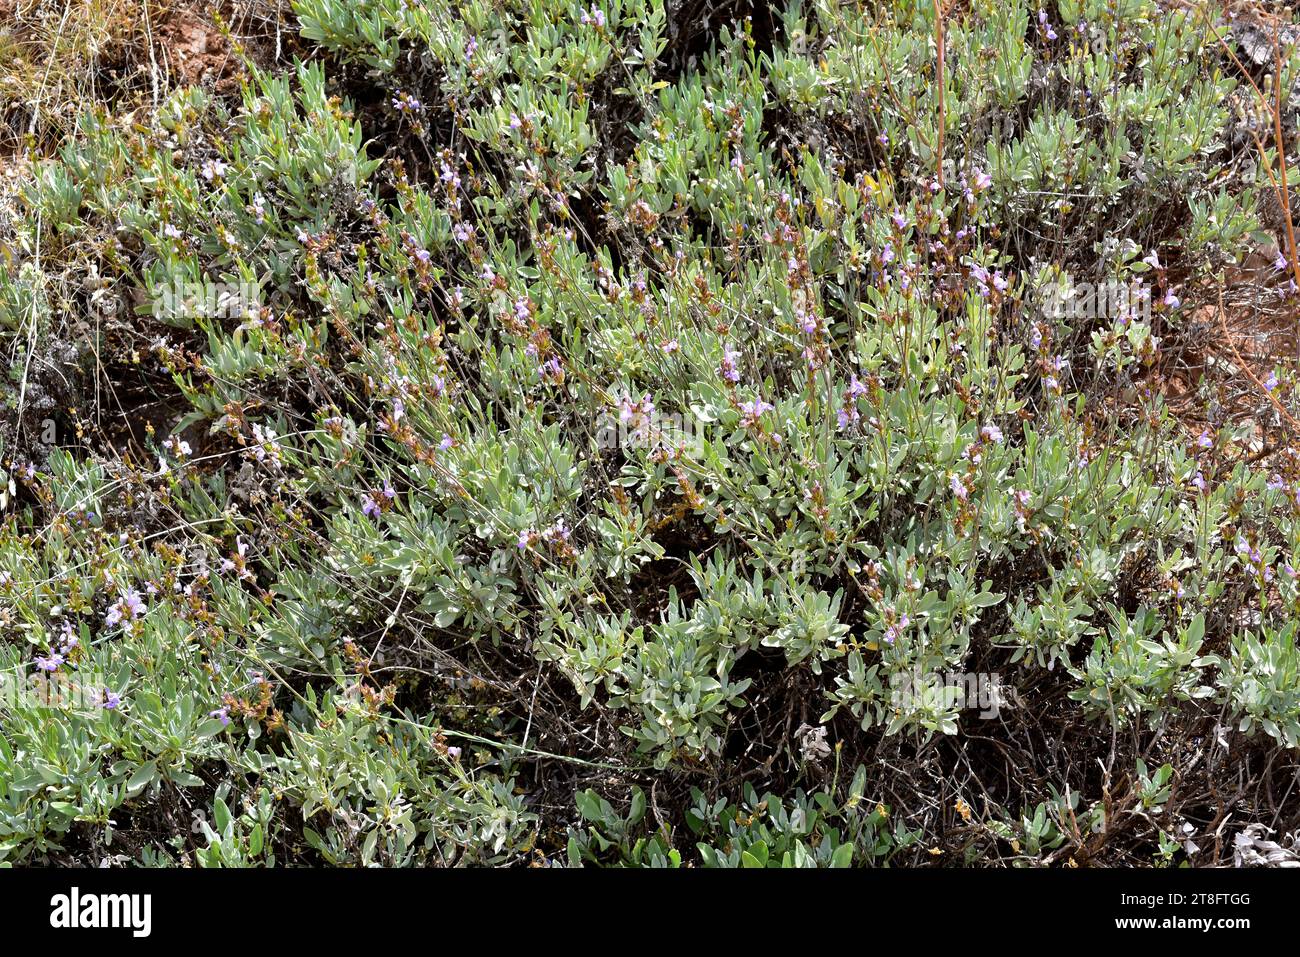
point(369, 506)
point(1204, 441)
point(213, 169)
point(551, 369)
point(447, 442)
point(404, 102)
point(241, 550)
point(895, 630)
point(991, 433)
point(50, 662)
point(958, 487)
point(728, 366)
point(637, 416)
point(222, 714)
point(900, 220)
point(1200, 483)
point(752, 411)
point(849, 412)
point(133, 603)
point(1271, 382)
point(178, 447)
point(70, 640)
point(130, 605)
point(110, 700)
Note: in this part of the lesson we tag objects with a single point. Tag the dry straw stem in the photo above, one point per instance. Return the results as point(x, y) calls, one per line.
point(1227, 337)
point(939, 14)
point(1281, 188)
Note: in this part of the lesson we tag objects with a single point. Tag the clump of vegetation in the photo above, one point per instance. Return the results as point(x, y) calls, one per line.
point(807, 435)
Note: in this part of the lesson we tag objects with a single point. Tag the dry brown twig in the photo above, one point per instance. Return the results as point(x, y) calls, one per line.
point(1281, 189)
point(939, 15)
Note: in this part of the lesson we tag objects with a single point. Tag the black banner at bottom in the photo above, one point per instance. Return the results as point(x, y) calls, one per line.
point(140, 908)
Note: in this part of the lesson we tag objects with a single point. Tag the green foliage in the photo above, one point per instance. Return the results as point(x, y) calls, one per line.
point(573, 401)
point(815, 830)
